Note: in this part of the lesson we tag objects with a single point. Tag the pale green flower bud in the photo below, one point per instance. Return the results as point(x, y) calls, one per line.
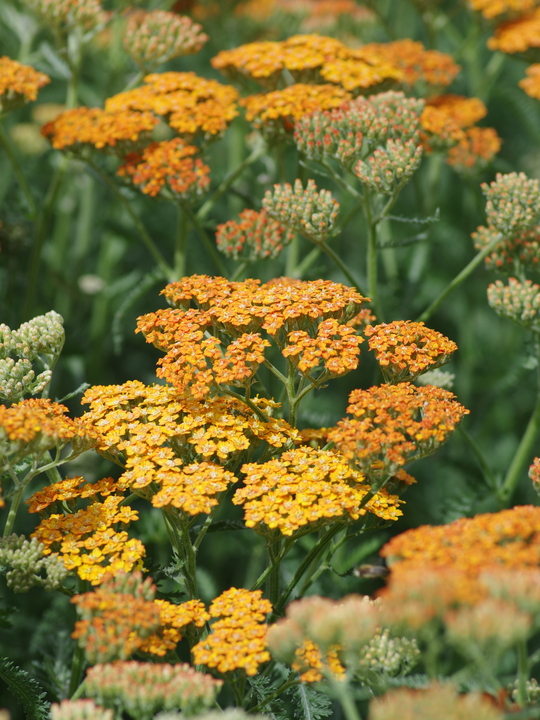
point(519, 301)
point(512, 203)
point(43, 335)
point(79, 710)
point(29, 567)
point(17, 379)
point(390, 168)
point(389, 655)
point(437, 377)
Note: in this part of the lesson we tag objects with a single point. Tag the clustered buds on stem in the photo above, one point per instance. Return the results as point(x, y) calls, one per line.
point(390, 168)
point(255, 236)
point(513, 201)
point(308, 211)
point(86, 14)
point(28, 566)
point(519, 301)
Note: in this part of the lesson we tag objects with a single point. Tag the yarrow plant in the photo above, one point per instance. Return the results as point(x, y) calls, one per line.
point(278, 197)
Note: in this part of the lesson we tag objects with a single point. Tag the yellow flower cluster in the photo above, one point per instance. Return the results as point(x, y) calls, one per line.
point(190, 104)
point(494, 8)
point(406, 349)
point(173, 447)
point(172, 620)
point(167, 165)
point(87, 542)
point(313, 666)
point(238, 639)
point(19, 83)
point(517, 35)
point(119, 130)
point(531, 84)
point(304, 488)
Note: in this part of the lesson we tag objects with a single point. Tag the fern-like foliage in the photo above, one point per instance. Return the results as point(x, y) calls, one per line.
point(308, 703)
point(262, 687)
point(27, 690)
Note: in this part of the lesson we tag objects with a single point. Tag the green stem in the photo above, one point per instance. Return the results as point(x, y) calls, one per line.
point(338, 261)
point(8, 149)
point(240, 270)
point(77, 667)
point(524, 448)
point(209, 244)
point(180, 245)
point(275, 563)
point(523, 673)
point(463, 275)
point(143, 232)
point(488, 472)
point(14, 507)
point(281, 689)
point(274, 578)
point(371, 261)
point(342, 692)
point(257, 410)
point(228, 181)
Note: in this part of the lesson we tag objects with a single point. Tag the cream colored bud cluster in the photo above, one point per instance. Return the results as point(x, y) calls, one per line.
point(41, 339)
point(437, 377)
point(390, 168)
point(532, 691)
point(389, 655)
point(141, 689)
point(309, 211)
point(512, 203)
point(519, 301)
point(28, 566)
point(87, 14)
point(79, 710)
point(346, 132)
point(153, 38)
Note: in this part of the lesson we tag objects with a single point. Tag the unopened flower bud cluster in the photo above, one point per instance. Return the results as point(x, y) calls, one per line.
point(437, 377)
point(79, 710)
point(87, 14)
point(388, 169)
point(28, 565)
point(532, 691)
point(254, 237)
point(519, 301)
point(309, 211)
point(143, 689)
point(228, 714)
point(512, 202)
point(41, 338)
point(156, 37)
point(389, 655)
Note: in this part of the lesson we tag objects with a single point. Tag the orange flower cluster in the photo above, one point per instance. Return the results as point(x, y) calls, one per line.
point(512, 254)
point(316, 58)
point(395, 424)
point(195, 360)
point(517, 35)
point(122, 617)
point(87, 541)
point(304, 488)
point(238, 639)
point(155, 37)
point(167, 165)
point(116, 130)
point(69, 489)
point(189, 104)
point(531, 84)
point(406, 349)
point(19, 84)
point(494, 8)
point(255, 236)
point(34, 426)
point(534, 474)
point(160, 437)
point(292, 103)
point(475, 150)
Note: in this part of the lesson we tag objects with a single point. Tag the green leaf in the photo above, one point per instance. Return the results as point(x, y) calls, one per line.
point(27, 690)
point(308, 703)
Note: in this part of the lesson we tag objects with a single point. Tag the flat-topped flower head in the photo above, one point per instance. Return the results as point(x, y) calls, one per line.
point(517, 35)
point(19, 84)
point(237, 640)
point(160, 687)
point(278, 110)
point(190, 104)
point(513, 202)
point(518, 301)
point(303, 489)
point(167, 167)
point(495, 8)
point(117, 131)
point(307, 210)
point(255, 236)
point(356, 76)
point(391, 425)
point(406, 349)
point(155, 37)
point(446, 118)
point(65, 491)
point(475, 150)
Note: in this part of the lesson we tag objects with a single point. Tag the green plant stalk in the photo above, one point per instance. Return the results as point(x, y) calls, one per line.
point(180, 245)
point(77, 668)
point(143, 232)
point(240, 270)
point(371, 258)
point(13, 509)
point(342, 692)
point(8, 149)
point(300, 270)
point(277, 560)
point(338, 261)
point(482, 461)
point(281, 689)
point(207, 242)
point(274, 578)
point(190, 567)
point(460, 277)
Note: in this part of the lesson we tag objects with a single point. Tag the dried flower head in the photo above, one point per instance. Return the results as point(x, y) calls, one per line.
point(155, 37)
point(117, 131)
point(390, 168)
point(19, 84)
point(79, 710)
point(308, 211)
point(512, 203)
point(167, 167)
point(303, 489)
point(28, 566)
point(406, 349)
point(438, 700)
point(143, 689)
point(514, 254)
point(518, 301)
point(189, 104)
point(395, 424)
point(517, 35)
point(238, 639)
point(254, 237)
